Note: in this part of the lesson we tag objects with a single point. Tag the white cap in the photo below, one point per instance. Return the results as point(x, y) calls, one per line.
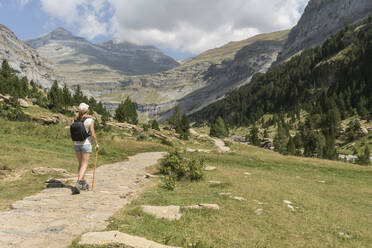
point(83, 107)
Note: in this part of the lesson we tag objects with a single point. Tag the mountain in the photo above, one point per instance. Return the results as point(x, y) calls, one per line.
point(322, 18)
point(331, 79)
point(25, 60)
point(198, 82)
point(81, 61)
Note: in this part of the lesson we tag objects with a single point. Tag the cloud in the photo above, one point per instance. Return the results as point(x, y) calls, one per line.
point(86, 15)
point(181, 25)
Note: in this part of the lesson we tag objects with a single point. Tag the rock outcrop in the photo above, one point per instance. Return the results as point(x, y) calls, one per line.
point(321, 19)
point(198, 82)
point(25, 60)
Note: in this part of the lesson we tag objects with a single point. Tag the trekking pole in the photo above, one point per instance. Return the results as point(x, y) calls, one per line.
point(94, 170)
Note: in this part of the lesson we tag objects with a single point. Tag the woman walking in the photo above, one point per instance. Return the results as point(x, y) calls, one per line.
point(83, 148)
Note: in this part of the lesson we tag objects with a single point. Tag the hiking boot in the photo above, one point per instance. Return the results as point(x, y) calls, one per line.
point(84, 185)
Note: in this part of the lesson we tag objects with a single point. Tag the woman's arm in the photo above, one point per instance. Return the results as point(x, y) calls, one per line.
point(93, 134)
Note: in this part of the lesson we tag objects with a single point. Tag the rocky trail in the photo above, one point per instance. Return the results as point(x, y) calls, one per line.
point(54, 217)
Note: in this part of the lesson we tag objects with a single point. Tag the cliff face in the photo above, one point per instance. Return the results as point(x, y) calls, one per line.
point(24, 60)
point(321, 19)
point(197, 83)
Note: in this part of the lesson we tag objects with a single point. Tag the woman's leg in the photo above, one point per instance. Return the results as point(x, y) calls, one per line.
point(84, 165)
point(79, 156)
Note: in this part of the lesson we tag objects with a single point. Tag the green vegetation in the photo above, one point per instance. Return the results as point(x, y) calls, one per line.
point(126, 112)
point(328, 91)
point(219, 129)
point(331, 201)
point(180, 123)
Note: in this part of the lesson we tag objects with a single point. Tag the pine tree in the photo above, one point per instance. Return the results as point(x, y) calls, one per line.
point(67, 98)
point(155, 125)
point(291, 148)
point(126, 112)
point(253, 136)
point(364, 158)
point(219, 129)
point(55, 97)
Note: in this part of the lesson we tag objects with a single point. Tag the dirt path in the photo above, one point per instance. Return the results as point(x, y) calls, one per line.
point(217, 142)
point(54, 217)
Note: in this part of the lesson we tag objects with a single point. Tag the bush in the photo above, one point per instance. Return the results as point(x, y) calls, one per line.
point(167, 142)
point(176, 164)
point(146, 127)
point(169, 182)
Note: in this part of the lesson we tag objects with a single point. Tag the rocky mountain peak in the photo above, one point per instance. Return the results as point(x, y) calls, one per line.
point(321, 19)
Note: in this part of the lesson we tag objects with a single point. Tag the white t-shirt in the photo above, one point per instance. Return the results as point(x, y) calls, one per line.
point(87, 141)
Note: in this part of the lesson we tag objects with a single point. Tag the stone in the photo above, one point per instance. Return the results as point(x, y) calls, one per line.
point(45, 120)
point(321, 181)
point(48, 170)
point(239, 198)
point(345, 235)
point(204, 206)
point(23, 103)
point(291, 207)
point(287, 202)
point(214, 182)
point(247, 173)
point(259, 211)
point(54, 229)
point(258, 202)
point(118, 238)
point(163, 212)
point(210, 168)
point(224, 194)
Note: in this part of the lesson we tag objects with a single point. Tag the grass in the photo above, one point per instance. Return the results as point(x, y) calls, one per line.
point(330, 198)
point(26, 145)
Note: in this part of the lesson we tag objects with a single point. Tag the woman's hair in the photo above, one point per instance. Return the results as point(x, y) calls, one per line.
point(83, 109)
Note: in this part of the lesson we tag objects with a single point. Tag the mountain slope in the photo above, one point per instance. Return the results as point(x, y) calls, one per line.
point(212, 74)
point(25, 60)
point(321, 19)
point(81, 61)
point(335, 75)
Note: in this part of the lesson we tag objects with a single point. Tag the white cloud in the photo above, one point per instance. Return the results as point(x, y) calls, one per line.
point(181, 25)
point(84, 14)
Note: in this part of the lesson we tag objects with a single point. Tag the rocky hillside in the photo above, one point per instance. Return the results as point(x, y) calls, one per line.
point(198, 82)
point(81, 61)
point(25, 60)
point(321, 19)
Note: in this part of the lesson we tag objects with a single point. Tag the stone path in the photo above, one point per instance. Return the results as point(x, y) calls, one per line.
point(54, 217)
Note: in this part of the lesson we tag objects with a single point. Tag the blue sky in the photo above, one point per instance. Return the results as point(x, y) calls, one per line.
point(181, 28)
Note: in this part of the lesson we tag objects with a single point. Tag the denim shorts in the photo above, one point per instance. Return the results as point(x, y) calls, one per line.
point(83, 148)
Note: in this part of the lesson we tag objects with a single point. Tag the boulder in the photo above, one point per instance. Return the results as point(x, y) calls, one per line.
point(23, 103)
point(210, 168)
point(45, 120)
point(163, 212)
point(118, 238)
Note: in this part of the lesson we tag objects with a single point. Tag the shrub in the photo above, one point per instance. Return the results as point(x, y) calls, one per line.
point(167, 142)
point(169, 182)
point(176, 164)
point(146, 127)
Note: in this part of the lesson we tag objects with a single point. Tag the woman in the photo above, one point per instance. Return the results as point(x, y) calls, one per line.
point(84, 148)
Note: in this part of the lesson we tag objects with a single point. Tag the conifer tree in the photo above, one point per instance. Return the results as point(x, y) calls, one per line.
point(126, 112)
point(219, 129)
point(253, 136)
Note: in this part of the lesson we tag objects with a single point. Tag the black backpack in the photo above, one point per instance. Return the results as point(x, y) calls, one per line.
point(78, 131)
